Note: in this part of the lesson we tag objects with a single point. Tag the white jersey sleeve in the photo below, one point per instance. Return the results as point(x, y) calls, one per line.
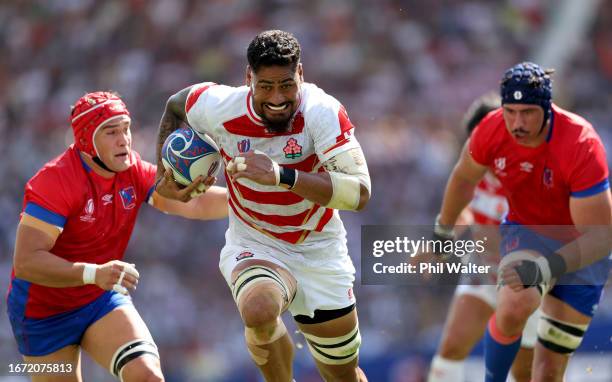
point(331, 130)
point(199, 100)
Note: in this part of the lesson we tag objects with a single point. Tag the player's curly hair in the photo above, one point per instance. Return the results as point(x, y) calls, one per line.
point(273, 47)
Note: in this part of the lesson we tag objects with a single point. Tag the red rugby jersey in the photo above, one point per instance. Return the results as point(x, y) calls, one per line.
point(97, 216)
point(539, 181)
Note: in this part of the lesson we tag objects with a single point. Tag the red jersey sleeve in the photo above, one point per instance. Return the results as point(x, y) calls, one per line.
point(589, 174)
point(334, 133)
point(480, 142)
point(49, 197)
point(145, 178)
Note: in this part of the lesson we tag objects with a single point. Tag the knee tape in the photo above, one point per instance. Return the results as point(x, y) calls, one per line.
point(337, 350)
point(251, 276)
point(560, 336)
point(129, 351)
point(254, 342)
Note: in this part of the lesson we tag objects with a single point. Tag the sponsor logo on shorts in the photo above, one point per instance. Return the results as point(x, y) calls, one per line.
point(244, 255)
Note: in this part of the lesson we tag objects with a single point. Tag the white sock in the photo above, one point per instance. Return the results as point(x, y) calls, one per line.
point(445, 370)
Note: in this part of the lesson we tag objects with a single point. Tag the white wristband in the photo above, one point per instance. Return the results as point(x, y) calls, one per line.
point(89, 274)
point(443, 230)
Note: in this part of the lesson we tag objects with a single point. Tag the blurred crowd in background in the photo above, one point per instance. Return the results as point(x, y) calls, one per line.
point(405, 71)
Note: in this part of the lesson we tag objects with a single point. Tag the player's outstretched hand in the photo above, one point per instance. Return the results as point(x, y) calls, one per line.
point(169, 189)
point(256, 166)
point(118, 276)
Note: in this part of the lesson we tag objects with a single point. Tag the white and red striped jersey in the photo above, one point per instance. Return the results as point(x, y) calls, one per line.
point(489, 204)
point(320, 129)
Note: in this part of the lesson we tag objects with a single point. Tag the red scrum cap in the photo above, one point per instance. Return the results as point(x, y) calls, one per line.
point(90, 113)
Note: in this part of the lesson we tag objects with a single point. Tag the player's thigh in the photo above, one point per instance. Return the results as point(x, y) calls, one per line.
point(114, 330)
point(334, 344)
point(522, 303)
point(243, 267)
point(265, 263)
point(466, 324)
point(68, 361)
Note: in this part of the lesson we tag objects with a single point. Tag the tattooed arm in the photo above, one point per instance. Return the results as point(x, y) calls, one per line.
point(173, 116)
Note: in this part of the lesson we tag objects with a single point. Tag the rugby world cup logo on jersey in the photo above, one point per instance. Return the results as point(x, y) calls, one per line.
point(500, 165)
point(128, 197)
point(244, 145)
point(292, 149)
point(88, 212)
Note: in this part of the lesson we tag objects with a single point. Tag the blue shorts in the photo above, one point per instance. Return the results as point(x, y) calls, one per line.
point(582, 290)
point(42, 336)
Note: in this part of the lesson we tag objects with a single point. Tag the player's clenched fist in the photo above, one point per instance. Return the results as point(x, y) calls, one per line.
point(256, 166)
point(115, 275)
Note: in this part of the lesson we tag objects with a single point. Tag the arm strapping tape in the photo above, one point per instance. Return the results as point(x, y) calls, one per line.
point(89, 273)
point(348, 171)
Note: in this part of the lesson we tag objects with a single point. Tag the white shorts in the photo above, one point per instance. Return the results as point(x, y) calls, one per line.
point(324, 276)
point(488, 294)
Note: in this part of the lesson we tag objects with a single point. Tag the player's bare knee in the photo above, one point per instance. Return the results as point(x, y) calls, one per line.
point(261, 294)
point(511, 322)
point(259, 310)
point(145, 376)
point(513, 314)
point(142, 369)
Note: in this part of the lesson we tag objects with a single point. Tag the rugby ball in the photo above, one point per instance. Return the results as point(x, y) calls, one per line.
point(190, 154)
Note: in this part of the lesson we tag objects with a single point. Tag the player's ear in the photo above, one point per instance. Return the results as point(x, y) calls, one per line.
point(248, 76)
point(300, 71)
